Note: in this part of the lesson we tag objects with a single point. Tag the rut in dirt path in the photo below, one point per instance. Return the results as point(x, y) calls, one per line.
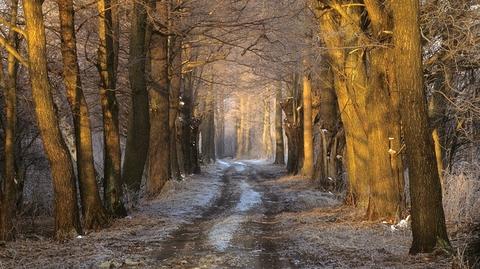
point(237, 231)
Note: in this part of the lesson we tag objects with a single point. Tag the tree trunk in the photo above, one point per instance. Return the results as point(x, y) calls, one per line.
point(241, 139)
point(136, 149)
point(279, 144)
point(208, 126)
point(428, 221)
point(187, 140)
point(307, 169)
point(66, 209)
point(266, 134)
point(111, 136)
point(175, 84)
point(331, 133)
point(220, 137)
point(8, 188)
point(348, 78)
point(386, 176)
point(94, 215)
point(159, 153)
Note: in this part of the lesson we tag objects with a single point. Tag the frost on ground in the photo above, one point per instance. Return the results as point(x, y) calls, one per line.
point(129, 241)
point(318, 232)
point(222, 232)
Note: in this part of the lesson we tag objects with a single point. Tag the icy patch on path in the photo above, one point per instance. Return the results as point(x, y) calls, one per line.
point(222, 232)
point(248, 198)
point(239, 166)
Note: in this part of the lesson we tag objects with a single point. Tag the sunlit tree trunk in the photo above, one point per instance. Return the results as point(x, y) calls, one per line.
point(66, 209)
point(307, 169)
point(138, 133)
point(428, 220)
point(345, 75)
point(111, 137)
point(279, 144)
point(94, 215)
point(386, 172)
point(159, 152)
point(8, 187)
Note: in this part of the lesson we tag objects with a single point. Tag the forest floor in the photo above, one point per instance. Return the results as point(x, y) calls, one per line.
point(237, 214)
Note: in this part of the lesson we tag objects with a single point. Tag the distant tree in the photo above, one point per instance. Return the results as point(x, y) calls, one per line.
point(279, 144)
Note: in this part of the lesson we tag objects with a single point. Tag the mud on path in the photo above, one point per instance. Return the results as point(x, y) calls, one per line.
point(238, 231)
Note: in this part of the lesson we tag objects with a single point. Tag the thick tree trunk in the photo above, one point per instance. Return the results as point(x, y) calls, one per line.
point(94, 215)
point(8, 188)
point(138, 133)
point(428, 220)
point(159, 153)
point(307, 169)
point(279, 144)
point(386, 176)
point(66, 209)
point(386, 180)
point(349, 80)
point(111, 137)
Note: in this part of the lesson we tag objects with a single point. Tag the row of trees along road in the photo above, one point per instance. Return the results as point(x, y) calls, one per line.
point(165, 75)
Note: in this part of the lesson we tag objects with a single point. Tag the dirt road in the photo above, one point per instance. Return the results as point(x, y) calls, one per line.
point(238, 230)
point(237, 214)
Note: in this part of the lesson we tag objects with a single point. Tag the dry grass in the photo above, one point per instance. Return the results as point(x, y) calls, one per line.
point(461, 198)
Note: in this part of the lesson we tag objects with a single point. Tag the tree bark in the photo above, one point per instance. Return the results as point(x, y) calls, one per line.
point(428, 220)
point(159, 153)
point(111, 137)
point(66, 209)
point(94, 215)
point(136, 150)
